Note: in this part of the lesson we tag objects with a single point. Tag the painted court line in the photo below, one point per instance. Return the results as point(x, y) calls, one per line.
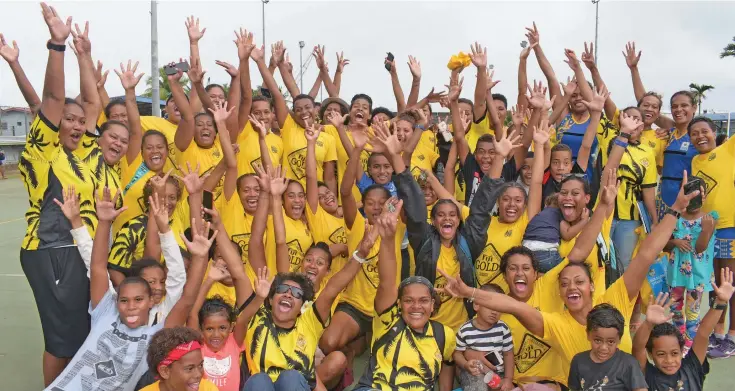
point(11, 220)
point(12, 275)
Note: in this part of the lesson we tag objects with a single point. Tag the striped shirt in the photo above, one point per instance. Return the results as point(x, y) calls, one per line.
point(495, 339)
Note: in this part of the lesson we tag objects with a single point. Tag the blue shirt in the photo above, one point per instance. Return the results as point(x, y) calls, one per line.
point(677, 158)
point(544, 227)
point(366, 182)
point(571, 133)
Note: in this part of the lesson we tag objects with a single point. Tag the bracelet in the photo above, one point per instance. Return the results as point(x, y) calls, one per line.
point(472, 298)
point(358, 258)
point(55, 47)
point(716, 306)
point(624, 135)
point(620, 143)
point(672, 212)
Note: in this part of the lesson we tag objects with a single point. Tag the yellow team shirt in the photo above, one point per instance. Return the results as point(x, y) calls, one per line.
point(500, 238)
point(207, 158)
point(452, 312)
point(408, 361)
point(658, 145)
point(239, 226)
point(169, 130)
point(569, 337)
point(44, 164)
point(298, 240)
point(227, 293)
point(128, 244)
point(90, 153)
point(717, 170)
point(343, 157)
point(294, 151)
point(249, 142)
point(204, 385)
point(423, 158)
point(330, 230)
point(133, 177)
point(597, 266)
point(464, 212)
point(272, 349)
point(360, 293)
point(477, 130)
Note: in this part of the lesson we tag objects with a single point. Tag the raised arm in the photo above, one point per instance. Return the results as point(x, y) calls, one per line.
point(279, 103)
point(278, 188)
point(256, 247)
point(561, 106)
point(53, 96)
point(415, 212)
point(397, 90)
point(321, 63)
point(523, 74)
point(723, 293)
point(478, 56)
point(460, 121)
point(129, 81)
point(245, 45)
point(88, 84)
point(587, 239)
point(588, 58)
point(594, 107)
point(533, 36)
point(349, 203)
point(278, 54)
point(99, 280)
point(492, 111)
point(185, 130)
point(342, 62)
point(584, 88)
point(233, 95)
point(632, 59)
point(387, 292)
point(449, 173)
point(312, 187)
point(10, 54)
point(101, 78)
point(540, 138)
point(415, 67)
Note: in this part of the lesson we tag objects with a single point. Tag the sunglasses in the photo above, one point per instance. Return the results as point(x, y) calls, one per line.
point(574, 175)
point(296, 292)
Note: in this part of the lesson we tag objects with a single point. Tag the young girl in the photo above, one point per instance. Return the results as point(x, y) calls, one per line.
point(691, 268)
point(671, 370)
point(176, 356)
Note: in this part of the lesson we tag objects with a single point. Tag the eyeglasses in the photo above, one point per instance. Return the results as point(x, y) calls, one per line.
point(296, 292)
point(574, 175)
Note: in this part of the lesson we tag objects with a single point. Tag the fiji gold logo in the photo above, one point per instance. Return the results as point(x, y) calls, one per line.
point(710, 183)
point(300, 342)
point(274, 149)
point(297, 162)
point(652, 144)
point(531, 352)
point(370, 270)
point(339, 236)
point(295, 255)
point(256, 163)
point(508, 233)
point(712, 156)
point(216, 153)
point(487, 266)
point(242, 240)
point(421, 157)
point(415, 172)
point(319, 143)
point(644, 162)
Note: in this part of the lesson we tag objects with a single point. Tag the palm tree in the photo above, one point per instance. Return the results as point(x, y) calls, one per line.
point(699, 90)
point(163, 87)
point(729, 50)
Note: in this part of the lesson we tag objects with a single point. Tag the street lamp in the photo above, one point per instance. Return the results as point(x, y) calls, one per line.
point(301, 64)
point(597, 21)
point(264, 3)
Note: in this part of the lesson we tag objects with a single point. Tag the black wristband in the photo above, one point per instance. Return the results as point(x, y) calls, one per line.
point(672, 212)
point(58, 48)
point(624, 135)
point(722, 307)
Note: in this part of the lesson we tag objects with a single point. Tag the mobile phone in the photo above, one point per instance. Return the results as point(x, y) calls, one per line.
point(524, 44)
point(207, 203)
point(693, 184)
point(390, 58)
point(173, 69)
point(494, 358)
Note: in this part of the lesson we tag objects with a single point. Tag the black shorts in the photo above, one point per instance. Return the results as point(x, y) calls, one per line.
point(58, 279)
point(363, 321)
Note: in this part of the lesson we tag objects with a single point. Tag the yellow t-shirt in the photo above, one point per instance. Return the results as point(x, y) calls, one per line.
point(44, 164)
point(343, 158)
point(298, 240)
point(569, 337)
point(330, 230)
point(423, 158)
point(360, 293)
point(128, 243)
point(249, 142)
point(460, 187)
point(169, 130)
point(597, 267)
point(133, 178)
point(408, 361)
point(204, 385)
point(238, 225)
point(427, 140)
point(207, 158)
point(272, 349)
point(500, 238)
point(477, 130)
point(294, 151)
point(452, 312)
point(90, 153)
point(228, 293)
point(717, 170)
point(658, 145)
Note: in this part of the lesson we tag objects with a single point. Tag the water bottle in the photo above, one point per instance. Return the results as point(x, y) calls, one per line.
point(492, 379)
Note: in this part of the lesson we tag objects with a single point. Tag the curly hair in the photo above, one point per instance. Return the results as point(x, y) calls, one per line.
point(166, 340)
point(517, 250)
point(662, 330)
point(299, 278)
point(216, 305)
point(148, 189)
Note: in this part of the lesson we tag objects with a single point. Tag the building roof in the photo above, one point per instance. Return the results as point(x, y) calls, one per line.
point(12, 140)
point(16, 109)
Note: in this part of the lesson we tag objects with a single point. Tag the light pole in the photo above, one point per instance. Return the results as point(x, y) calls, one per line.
point(155, 95)
point(301, 64)
point(264, 3)
point(597, 22)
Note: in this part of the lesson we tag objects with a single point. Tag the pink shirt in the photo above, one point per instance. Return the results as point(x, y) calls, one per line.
point(223, 368)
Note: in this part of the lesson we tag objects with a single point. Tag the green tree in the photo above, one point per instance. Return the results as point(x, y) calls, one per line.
point(163, 87)
point(699, 91)
point(729, 50)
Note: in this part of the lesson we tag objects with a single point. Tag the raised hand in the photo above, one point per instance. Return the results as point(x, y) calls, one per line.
point(708, 223)
point(414, 66)
point(682, 199)
point(312, 133)
point(342, 62)
point(360, 138)
point(570, 87)
point(264, 178)
point(10, 54)
point(631, 58)
point(588, 56)
point(454, 88)
point(525, 52)
point(466, 119)
point(542, 133)
point(507, 144)
point(537, 96)
point(159, 184)
point(387, 222)
point(368, 241)
point(610, 189)
point(257, 53)
point(278, 184)
point(454, 286)
point(725, 290)
point(244, 42)
point(263, 286)
point(214, 216)
point(229, 68)
point(127, 76)
point(287, 63)
point(200, 243)
point(259, 126)
point(658, 309)
point(478, 55)
point(176, 77)
point(490, 82)
point(70, 206)
point(81, 44)
point(383, 141)
point(627, 123)
point(58, 29)
point(319, 56)
point(392, 64)
point(220, 112)
point(99, 76)
point(518, 114)
point(192, 28)
point(195, 72)
point(218, 274)
point(278, 52)
point(191, 179)
point(435, 97)
point(571, 60)
point(159, 211)
point(336, 119)
point(598, 100)
point(532, 35)
point(106, 206)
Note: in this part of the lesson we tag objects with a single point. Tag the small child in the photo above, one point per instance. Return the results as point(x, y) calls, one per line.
point(175, 356)
point(546, 230)
point(380, 172)
point(605, 367)
point(477, 338)
point(691, 268)
point(665, 343)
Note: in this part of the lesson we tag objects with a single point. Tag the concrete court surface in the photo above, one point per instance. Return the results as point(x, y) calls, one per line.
point(21, 341)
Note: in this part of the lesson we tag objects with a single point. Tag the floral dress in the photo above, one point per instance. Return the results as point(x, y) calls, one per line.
point(690, 270)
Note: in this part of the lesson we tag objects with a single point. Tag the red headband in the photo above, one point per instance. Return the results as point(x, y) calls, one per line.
point(178, 352)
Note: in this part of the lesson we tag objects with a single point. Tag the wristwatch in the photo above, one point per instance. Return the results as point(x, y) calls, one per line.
point(722, 306)
point(55, 47)
point(624, 135)
point(672, 212)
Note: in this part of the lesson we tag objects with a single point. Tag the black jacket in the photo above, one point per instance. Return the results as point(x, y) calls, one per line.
point(425, 239)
